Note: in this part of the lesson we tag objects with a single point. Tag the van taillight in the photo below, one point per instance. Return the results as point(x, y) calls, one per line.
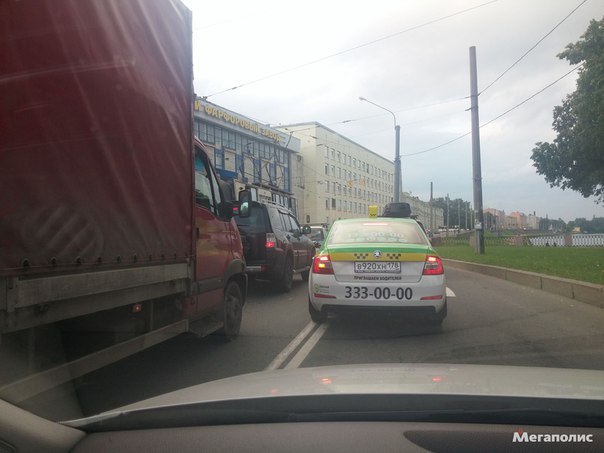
point(322, 265)
point(433, 265)
point(271, 241)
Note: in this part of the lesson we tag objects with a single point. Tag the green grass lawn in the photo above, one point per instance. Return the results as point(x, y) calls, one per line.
point(585, 264)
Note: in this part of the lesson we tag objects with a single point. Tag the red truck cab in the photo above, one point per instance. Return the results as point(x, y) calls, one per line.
point(220, 265)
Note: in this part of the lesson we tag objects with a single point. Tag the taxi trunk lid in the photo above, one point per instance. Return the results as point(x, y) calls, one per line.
point(378, 263)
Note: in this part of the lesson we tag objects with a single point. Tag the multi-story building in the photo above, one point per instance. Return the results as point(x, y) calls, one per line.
point(341, 178)
point(250, 154)
point(533, 221)
point(521, 220)
point(496, 219)
point(430, 216)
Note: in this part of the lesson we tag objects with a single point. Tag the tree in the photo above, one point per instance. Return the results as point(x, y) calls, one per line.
point(458, 211)
point(575, 159)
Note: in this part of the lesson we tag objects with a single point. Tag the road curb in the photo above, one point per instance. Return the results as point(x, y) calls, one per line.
point(588, 293)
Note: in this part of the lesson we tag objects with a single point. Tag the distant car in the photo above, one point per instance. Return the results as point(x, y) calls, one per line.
point(317, 234)
point(274, 245)
point(377, 264)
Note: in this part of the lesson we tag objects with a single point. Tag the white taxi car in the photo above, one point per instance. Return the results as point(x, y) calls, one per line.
point(377, 263)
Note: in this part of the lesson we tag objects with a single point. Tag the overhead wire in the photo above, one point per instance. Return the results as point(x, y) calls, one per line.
point(533, 47)
point(351, 49)
point(498, 116)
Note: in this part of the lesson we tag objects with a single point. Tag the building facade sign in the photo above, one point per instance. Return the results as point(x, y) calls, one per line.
point(211, 111)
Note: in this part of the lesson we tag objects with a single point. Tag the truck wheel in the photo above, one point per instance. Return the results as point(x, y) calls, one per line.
point(287, 278)
point(232, 311)
point(316, 315)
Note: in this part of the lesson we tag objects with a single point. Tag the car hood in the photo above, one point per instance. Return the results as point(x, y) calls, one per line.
point(386, 379)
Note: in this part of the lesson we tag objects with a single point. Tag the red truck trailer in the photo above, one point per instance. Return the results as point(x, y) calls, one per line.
point(112, 222)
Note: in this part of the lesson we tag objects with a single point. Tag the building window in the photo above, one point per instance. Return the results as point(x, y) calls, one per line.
point(327, 186)
point(339, 172)
point(333, 171)
point(327, 204)
point(326, 169)
point(333, 203)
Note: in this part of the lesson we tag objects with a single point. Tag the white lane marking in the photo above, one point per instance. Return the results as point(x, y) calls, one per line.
point(450, 292)
point(283, 355)
point(308, 346)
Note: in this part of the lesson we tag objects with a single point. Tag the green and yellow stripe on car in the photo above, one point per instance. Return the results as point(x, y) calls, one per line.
point(387, 253)
point(385, 256)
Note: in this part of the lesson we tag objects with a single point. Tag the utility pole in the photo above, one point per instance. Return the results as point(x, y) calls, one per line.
point(398, 186)
point(431, 208)
point(447, 215)
point(476, 168)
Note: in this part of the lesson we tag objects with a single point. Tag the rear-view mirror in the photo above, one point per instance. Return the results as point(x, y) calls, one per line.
point(245, 203)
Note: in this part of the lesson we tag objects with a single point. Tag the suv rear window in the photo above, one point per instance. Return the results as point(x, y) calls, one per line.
point(256, 219)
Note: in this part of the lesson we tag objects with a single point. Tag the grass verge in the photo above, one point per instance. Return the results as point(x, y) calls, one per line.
point(585, 264)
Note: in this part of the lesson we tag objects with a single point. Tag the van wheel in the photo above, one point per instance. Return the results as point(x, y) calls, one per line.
point(286, 281)
point(232, 311)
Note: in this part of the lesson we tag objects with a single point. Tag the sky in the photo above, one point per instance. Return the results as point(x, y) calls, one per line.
point(297, 62)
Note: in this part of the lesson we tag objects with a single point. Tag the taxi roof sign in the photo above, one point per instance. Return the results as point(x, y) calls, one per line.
point(373, 211)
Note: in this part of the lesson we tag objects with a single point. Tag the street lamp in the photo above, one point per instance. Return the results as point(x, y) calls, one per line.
point(397, 151)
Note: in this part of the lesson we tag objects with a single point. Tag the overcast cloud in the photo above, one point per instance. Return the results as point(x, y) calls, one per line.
point(236, 42)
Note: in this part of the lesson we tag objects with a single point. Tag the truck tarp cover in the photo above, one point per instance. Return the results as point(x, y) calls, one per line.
point(95, 133)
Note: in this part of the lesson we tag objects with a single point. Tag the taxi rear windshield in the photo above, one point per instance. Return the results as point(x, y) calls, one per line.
point(376, 232)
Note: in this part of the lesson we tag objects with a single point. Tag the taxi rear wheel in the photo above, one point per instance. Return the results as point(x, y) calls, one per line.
point(316, 315)
point(438, 318)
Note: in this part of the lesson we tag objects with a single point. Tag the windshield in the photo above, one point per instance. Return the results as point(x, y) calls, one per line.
point(316, 234)
point(128, 130)
point(361, 232)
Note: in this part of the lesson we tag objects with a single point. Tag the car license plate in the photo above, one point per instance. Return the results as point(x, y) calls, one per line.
point(376, 267)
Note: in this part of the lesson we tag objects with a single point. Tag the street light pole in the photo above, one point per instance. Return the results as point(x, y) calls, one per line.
point(397, 151)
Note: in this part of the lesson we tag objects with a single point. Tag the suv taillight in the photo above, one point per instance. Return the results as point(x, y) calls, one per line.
point(271, 241)
point(433, 265)
point(322, 265)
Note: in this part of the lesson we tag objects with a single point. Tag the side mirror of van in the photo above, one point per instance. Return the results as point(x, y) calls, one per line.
point(306, 229)
point(245, 203)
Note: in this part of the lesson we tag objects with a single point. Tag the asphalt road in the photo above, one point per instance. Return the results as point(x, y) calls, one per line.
point(490, 321)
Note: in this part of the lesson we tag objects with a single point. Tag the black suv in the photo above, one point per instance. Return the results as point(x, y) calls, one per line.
point(274, 244)
point(400, 210)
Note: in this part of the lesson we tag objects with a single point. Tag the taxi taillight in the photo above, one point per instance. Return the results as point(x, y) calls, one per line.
point(433, 265)
point(322, 265)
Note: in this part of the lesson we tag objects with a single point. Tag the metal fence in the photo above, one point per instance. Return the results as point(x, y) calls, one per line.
point(550, 240)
